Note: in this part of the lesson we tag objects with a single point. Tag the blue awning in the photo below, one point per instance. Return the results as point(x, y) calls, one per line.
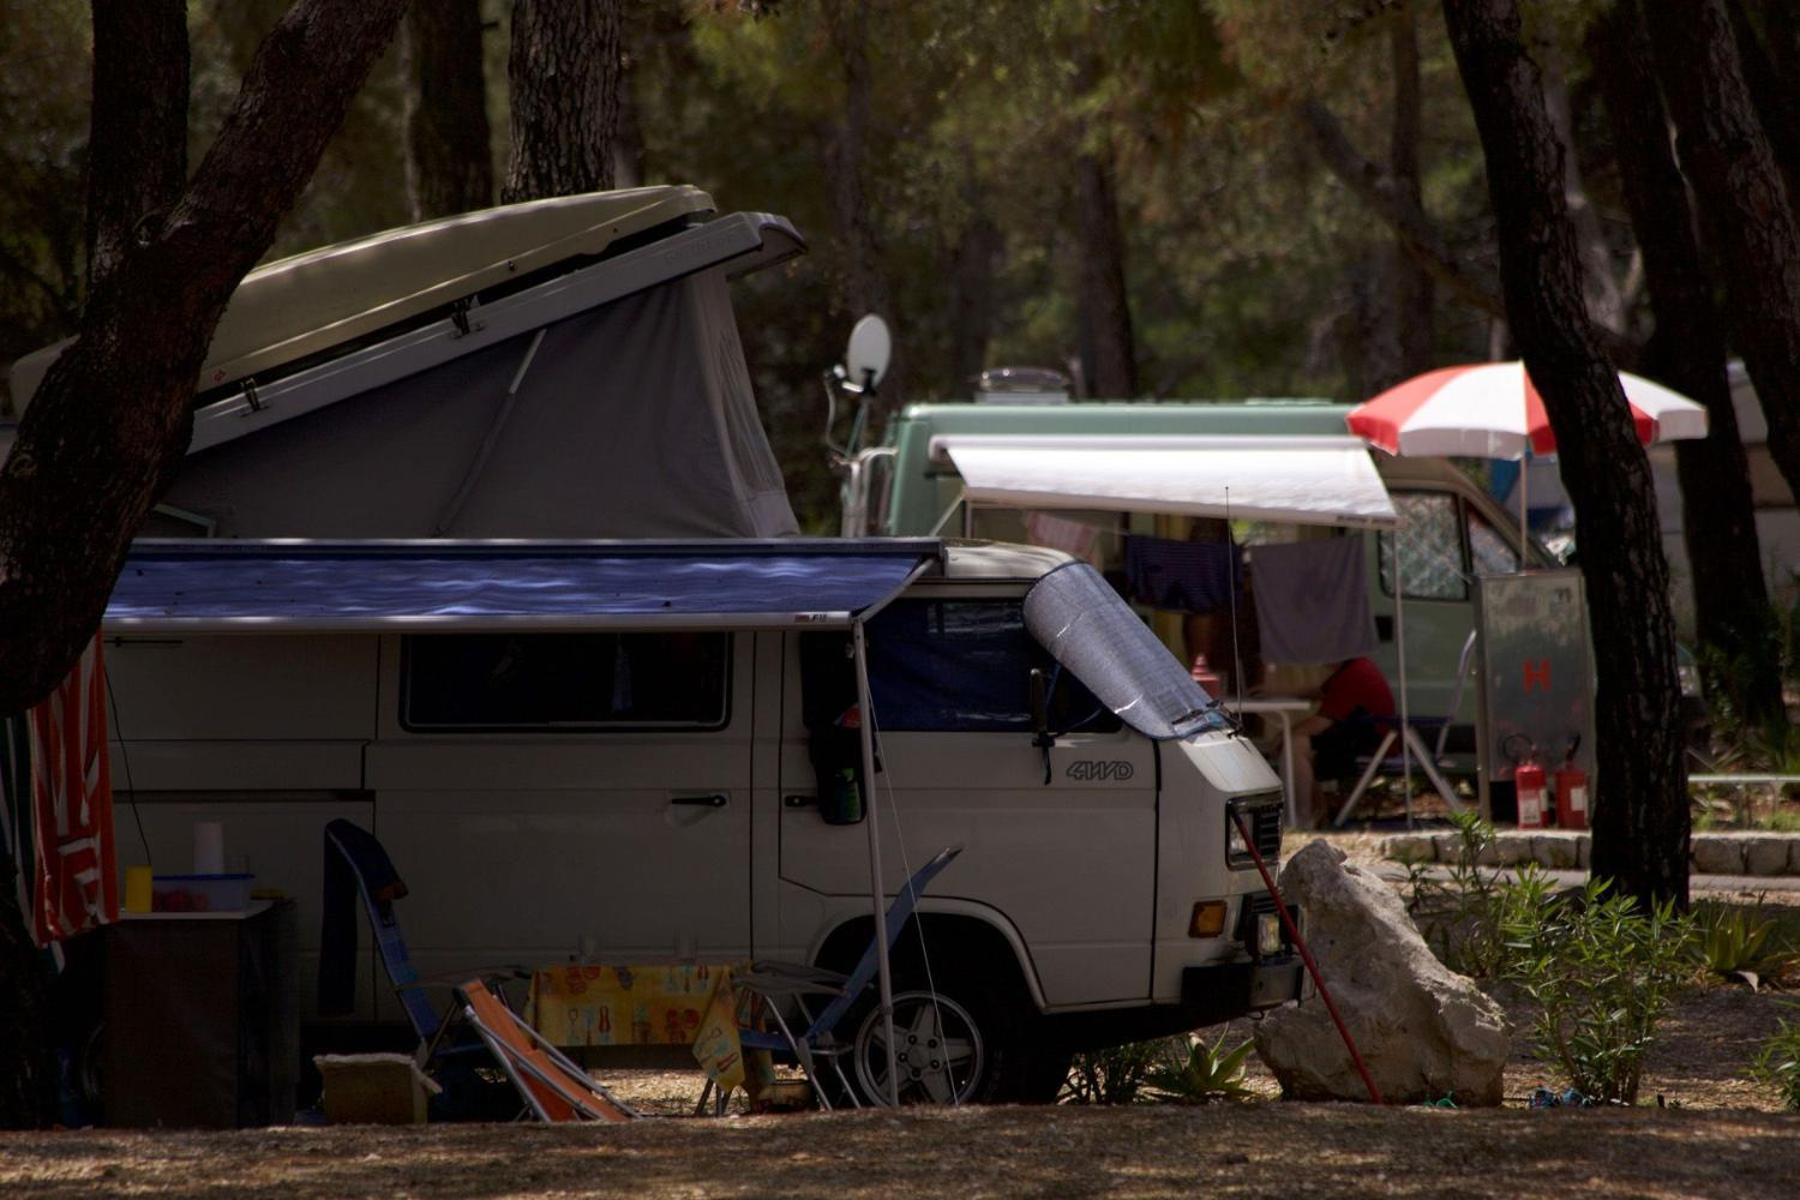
point(191, 586)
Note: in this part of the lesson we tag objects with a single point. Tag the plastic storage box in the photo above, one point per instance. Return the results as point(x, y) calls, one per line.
point(200, 893)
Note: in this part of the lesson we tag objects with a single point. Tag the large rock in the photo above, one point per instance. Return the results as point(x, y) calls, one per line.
point(1424, 1031)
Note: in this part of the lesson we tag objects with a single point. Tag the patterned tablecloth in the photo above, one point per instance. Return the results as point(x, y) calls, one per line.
point(665, 1004)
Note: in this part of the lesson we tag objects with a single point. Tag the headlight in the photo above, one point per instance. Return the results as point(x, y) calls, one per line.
point(1236, 848)
point(1261, 819)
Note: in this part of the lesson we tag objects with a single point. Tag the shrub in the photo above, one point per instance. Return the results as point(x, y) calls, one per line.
point(1205, 1072)
point(1114, 1075)
point(1602, 972)
point(1779, 1064)
point(1465, 917)
point(1733, 941)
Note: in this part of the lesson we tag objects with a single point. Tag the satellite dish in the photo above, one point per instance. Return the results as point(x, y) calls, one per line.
point(866, 358)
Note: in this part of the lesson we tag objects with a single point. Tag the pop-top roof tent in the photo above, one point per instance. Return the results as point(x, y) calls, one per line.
point(561, 368)
point(1304, 480)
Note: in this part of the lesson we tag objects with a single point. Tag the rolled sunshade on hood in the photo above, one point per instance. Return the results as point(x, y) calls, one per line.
point(1080, 620)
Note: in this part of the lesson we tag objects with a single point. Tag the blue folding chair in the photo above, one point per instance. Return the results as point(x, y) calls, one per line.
point(794, 982)
point(349, 846)
point(351, 849)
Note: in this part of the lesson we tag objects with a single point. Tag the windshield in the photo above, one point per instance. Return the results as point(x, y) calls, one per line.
point(1075, 614)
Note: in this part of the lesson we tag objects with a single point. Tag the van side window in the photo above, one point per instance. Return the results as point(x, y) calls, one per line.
point(1492, 553)
point(947, 666)
point(1431, 550)
point(565, 681)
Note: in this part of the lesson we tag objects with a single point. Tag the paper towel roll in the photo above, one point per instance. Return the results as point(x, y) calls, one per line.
point(209, 848)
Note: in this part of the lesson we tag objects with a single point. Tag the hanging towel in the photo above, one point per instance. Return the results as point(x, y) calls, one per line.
point(1312, 601)
point(1183, 576)
point(57, 823)
point(1073, 538)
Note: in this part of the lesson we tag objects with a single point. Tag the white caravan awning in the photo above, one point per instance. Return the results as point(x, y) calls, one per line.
point(1302, 480)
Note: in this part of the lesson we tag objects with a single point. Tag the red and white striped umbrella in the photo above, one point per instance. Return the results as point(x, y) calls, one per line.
point(1492, 410)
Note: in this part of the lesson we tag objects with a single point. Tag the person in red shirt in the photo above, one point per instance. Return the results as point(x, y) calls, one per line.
point(1355, 709)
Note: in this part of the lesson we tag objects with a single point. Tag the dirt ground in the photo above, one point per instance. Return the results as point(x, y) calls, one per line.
point(1714, 1134)
point(1719, 1136)
point(1250, 1151)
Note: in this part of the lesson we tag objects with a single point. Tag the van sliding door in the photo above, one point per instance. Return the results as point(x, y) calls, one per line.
point(549, 795)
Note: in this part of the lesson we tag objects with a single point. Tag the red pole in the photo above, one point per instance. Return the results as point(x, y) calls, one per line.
point(1293, 932)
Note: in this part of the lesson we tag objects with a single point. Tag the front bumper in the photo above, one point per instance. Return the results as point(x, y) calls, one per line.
point(1238, 988)
point(1209, 995)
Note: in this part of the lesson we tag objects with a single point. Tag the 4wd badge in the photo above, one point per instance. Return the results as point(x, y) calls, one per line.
point(1100, 770)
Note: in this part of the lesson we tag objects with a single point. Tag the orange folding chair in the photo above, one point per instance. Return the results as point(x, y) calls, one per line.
point(553, 1087)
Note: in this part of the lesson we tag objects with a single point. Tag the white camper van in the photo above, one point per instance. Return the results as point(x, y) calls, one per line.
point(616, 749)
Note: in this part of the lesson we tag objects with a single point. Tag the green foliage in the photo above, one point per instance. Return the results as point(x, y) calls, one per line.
point(1207, 1072)
point(1178, 1070)
point(1601, 972)
point(1114, 1075)
point(1733, 941)
point(1465, 917)
point(1778, 1064)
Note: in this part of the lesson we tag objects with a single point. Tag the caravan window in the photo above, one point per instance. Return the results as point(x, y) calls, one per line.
point(1492, 553)
point(1431, 548)
point(565, 681)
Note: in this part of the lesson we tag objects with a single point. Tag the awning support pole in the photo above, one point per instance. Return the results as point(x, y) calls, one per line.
point(1400, 652)
point(866, 731)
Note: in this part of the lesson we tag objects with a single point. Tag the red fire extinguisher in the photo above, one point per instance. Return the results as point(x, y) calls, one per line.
point(1528, 782)
point(1572, 790)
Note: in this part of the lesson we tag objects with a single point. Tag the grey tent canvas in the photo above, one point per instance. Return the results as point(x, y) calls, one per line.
point(634, 419)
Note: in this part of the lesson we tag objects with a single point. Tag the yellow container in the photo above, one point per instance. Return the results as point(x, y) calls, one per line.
point(137, 889)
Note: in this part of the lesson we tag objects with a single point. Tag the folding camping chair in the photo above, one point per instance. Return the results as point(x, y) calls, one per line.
point(794, 982)
point(552, 1086)
point(380, 885)
point(351, 848)
point(1428, 760)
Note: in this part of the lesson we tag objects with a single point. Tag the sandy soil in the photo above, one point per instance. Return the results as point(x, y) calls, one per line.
point(1716, 1135)
point(1263, 1150)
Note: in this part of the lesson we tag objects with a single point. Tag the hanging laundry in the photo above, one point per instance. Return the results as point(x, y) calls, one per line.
point(56, 819)
point(1182, 576)
point(1074, 538)
point(1312, 601)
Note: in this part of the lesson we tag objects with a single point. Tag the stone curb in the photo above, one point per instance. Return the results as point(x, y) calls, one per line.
point(1758, 854)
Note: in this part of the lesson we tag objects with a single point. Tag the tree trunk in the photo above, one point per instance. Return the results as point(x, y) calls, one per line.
point(137, 163)
point(1108, 356)
point(112, 419)
point(1605, 303)
point(1775, 98)
point(1641, 810)
point(1749, 220)
point(628, 141)
point(865, 283)
point(137, 144)
point(973, 266)
point(1414, 297)
point(449, 164)
point(1687, 351)
point(563, 73)
point(1389, 203)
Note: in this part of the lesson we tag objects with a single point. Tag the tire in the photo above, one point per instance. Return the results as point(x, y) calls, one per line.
point(967, 1043)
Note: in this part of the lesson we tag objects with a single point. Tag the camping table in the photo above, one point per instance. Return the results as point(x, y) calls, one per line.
point(1284, 709)
point(201, 1018)
point(694, 1004)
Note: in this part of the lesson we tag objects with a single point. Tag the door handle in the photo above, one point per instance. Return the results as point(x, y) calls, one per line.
point(799, 801)
point(715, 800)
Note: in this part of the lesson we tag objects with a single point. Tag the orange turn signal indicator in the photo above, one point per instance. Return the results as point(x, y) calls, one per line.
point(1208, 919)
